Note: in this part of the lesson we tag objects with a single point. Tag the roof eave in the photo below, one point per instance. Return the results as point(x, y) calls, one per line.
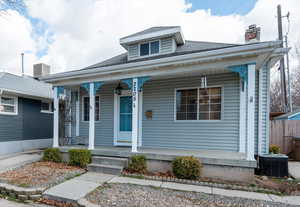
point(219, 52)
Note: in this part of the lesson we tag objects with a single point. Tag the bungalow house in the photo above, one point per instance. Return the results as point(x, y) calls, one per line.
point(26, 116)
point(167, 96)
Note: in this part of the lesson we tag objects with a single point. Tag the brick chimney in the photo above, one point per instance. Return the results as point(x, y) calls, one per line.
point(252, 34)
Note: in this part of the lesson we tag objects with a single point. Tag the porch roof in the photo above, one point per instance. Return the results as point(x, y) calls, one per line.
point(213, 56)
point(209, 157)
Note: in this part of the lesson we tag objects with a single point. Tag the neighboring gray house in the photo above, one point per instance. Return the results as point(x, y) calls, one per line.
point(26, 116)
point(166, 94)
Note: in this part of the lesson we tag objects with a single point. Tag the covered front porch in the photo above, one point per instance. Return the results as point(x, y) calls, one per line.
point(216, 164)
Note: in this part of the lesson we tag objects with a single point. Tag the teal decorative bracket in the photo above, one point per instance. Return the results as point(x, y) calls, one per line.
point(128, 82)
point(97, 86)
point(242, 70)
point(141, 81)
point(86, 86)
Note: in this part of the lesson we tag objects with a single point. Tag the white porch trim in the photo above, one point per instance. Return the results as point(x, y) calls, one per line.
point(117, 120)
point(251, 112)
point(135, 117)
point(243, 115)
point(77, 111)
point(260, 94)
point(92, 117)
point(56, 118)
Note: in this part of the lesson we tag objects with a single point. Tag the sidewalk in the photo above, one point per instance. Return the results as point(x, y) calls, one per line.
point(294, 169)
point(76, 188)
point(16, 160)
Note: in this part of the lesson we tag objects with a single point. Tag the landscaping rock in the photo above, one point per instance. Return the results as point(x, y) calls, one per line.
point(35, 197)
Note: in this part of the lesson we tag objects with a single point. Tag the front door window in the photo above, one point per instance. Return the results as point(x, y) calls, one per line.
point(126, 113)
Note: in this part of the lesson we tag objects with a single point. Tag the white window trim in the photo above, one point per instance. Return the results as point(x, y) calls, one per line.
point(49, 111)
point(15, 105)
point(149, 55)
point(186, 88)
point(82, 107)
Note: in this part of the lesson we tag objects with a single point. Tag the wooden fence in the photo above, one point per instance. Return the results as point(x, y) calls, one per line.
point(281, 133)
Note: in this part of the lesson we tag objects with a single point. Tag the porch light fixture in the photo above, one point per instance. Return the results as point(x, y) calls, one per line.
point(203, 83)
point(118, 89)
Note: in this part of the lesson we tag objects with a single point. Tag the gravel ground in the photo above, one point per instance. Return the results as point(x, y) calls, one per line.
point(127, 195)
point(40, 174)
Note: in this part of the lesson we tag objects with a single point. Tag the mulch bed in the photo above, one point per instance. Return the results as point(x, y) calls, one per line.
point(40, 174)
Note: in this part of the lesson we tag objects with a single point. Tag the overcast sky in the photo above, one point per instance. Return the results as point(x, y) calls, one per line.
point(70, 35)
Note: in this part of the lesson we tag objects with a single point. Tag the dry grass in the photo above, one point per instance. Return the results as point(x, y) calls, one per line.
point(40, 174)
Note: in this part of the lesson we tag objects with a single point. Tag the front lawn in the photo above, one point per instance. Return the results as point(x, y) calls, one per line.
point(40, 174)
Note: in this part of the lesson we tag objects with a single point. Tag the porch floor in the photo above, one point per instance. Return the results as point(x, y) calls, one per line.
point(210, 157)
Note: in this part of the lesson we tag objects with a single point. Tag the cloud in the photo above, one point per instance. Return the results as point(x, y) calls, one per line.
point(87, 32)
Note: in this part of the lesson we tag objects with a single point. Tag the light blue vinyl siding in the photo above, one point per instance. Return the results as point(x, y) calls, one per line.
point(166, 45)
point(103, 127)
point(164, 132)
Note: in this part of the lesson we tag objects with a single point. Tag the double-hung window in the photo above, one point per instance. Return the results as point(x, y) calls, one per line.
point(8, 105)
point(86, 108)
point(199, 104)
point(149, 48)
point(46, 107)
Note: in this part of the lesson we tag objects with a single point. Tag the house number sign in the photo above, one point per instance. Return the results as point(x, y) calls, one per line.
point(134, 93)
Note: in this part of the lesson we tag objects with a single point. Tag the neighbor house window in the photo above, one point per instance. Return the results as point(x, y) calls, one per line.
point(199, 104)
point(86, 108)
point(149, 48)
point(46, 107)
point(8, 105)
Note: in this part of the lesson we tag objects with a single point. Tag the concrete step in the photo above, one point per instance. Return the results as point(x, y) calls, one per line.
point(122, 162)
point(107, 169)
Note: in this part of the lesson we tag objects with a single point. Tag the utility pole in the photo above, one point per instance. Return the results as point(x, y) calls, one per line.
point(282, 70)
point(288, 74)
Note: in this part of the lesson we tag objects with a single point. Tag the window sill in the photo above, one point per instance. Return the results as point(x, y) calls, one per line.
point(8, 113)
point(47, 112)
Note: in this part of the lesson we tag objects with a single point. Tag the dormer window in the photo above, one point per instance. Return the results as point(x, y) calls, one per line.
point(149, 48)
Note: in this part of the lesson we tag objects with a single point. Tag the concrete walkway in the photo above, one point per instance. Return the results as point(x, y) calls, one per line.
point(293, 200)
point(294, 169)
point(17, 160)
point(76, 188)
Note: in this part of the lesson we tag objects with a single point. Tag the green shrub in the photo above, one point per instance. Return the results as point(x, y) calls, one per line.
point(80, 157)
point(274, 149)
point(187, 167)
point(52, 154)
point(137, 164)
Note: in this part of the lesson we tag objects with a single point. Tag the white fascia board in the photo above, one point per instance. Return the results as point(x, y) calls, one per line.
point(26, 95)
point(167, 32)
point(143, 65)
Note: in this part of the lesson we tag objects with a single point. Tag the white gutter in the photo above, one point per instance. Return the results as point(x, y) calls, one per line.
point(142, 65)
point(20, 93)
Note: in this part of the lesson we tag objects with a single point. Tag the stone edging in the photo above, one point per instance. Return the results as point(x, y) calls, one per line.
point(200, 183)
point(23, 194)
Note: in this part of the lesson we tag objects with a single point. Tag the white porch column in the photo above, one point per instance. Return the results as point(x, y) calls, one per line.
point(243, 115)
point(135, 112)
point(77, 112)
point(92, 117)
point(251, 112)
point(56, 118)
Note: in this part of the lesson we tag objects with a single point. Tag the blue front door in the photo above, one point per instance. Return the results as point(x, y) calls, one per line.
point(125, 120)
